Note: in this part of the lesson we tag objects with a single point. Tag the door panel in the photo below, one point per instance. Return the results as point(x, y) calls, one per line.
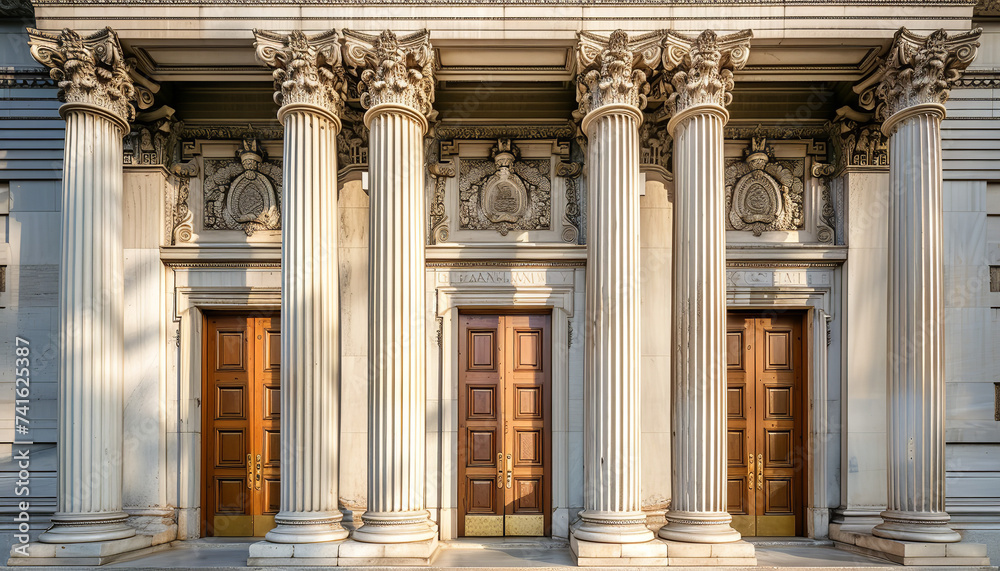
point(504, 435)
point(241, 425)
point(765, 424)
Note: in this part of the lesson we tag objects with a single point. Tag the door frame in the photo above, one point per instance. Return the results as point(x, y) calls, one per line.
point(556, 294)
point(821, 353)
point(802, 315)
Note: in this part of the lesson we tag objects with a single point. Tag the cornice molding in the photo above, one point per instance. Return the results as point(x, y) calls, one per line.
point(587, 3)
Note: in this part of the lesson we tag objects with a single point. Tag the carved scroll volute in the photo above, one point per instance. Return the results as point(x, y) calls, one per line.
point(90, 70)
point(440, 172)
point(920, 70)
point(308, 70)
point(614, 70)
point(702, 68)
point(393, 71)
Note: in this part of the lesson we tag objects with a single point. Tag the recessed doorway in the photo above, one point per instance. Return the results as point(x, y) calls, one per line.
point(504, 440)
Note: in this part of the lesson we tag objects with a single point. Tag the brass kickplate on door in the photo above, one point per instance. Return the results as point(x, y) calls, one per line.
point(483, 525)
point(745, 525)
point(533, 525)
point(232, 526)
point(775, 525)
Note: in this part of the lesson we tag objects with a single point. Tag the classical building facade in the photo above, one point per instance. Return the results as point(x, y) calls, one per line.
point(362, 278)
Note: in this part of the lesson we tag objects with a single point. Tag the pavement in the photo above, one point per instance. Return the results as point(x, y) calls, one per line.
point(773, 554)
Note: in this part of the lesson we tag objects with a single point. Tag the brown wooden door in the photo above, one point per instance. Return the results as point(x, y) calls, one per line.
point(240, 432)
point(504, 443)
point(765, 437)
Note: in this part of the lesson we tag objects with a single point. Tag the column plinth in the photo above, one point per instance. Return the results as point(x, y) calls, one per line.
point(702, 80)
point(397, 90)
point(310, 298)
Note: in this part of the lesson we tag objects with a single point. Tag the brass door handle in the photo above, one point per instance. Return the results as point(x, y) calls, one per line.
point(509, 463)
point(760, 471)
point(500, 469)
point(250, 471)
point(257, 476)
point(750, 472)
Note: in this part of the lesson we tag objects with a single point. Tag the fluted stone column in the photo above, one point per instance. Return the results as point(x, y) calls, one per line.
point(918, 75)
point(702, 71)
point(610, 98)
point(96, 90)
point(397, 91)
point(309, 84)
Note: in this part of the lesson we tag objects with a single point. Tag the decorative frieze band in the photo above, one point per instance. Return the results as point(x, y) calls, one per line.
point(89, 70)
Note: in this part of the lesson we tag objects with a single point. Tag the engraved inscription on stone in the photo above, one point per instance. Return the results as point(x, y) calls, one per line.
point(243, 194)
point(505, 193)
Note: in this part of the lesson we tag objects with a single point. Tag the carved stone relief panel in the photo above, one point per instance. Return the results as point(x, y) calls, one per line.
point(778, 191)
point(505, 193)
point(504, 189)
point(243, 193)
point(764, 194)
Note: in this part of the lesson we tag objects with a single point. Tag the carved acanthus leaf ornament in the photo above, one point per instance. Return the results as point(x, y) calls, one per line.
point(922, 69)
point(393, 70)
point(307, 69)
point(614, 70)
point(90, 70)
point(703, 67)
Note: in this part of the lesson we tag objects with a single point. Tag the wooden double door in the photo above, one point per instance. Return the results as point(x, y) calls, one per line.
point(241, 424)
point(765, 436)
point(504, 432)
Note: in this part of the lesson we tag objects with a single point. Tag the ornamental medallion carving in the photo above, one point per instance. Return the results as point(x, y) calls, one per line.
point(764, 194)
point(243, 194)
point(504, 193)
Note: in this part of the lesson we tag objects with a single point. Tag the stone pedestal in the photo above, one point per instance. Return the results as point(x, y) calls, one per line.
point(612, 512)
point(311, 105)
point(89, 521)
point(397, 91)
point(698, 503)
point(910, 552)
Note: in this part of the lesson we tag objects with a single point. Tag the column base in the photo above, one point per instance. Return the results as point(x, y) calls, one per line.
point(395, 527)
point(307, 528)
point(916, 526)
point(412, 554)
point(87, 528)
point(612, 527)
point(270, 554)
point(909, 552)
point(599, 554)
point(699, 527)
point(76, 554)
point(857, 519)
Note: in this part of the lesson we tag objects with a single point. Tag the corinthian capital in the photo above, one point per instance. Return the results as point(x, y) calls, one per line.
point(922, 69)
point(393, 70)
point(307, 69)
point(614, 70)
point(89, 70)
point(703, 67)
